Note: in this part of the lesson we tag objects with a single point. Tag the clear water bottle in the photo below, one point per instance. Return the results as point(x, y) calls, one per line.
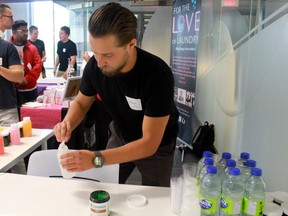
point(225, 171)
point(246, 170)
point(210, 191)
point(241, 162)
point(201, 161)
point(207, 162)
point(254, 194)
point(222, 163)
point(232, 194)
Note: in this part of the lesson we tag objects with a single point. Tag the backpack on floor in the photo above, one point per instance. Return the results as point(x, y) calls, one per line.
point(203, 139)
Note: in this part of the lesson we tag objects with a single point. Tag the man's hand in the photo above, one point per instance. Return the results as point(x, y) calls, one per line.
point(64, 75)
point(43, 59)
point(63, 131)
point(77, 161)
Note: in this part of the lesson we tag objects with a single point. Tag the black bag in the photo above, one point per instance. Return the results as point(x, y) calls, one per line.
point(203, 139)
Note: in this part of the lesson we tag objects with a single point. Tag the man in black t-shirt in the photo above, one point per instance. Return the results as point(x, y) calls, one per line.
point(137, 89)
point(66, 54)
point(33, 30)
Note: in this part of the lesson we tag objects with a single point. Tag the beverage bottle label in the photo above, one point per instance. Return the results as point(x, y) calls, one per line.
point(231, 207)
point(208, 205)
point(254, 208)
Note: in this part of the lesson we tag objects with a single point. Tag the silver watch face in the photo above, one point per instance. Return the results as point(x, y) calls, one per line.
point(98, 161)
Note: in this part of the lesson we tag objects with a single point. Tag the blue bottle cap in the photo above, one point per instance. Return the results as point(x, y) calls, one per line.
point(230, 163)
point(245, 155)
point(226, 155)
point(211, 169)
point(256, 172)
point(251, 163)
point(207, 154)
point(208, 161)
point(234, 171)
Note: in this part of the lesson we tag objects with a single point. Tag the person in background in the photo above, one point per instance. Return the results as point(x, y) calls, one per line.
point(6, 19)
point(34, 32)
point(86, 56)
point(30, 58)
point(66, 51)
point(144, 128)
point(11, 72)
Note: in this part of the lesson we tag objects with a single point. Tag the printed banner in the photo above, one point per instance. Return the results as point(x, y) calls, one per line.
point(184, 50)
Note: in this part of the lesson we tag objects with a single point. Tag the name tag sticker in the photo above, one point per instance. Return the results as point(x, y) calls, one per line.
point(29, 66)
point(64, 50)
point(135, 104)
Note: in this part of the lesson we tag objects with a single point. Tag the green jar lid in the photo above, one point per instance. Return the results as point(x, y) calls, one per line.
point(99, 196)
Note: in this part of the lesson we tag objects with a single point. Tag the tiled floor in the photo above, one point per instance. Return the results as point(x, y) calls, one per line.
point(188, 157)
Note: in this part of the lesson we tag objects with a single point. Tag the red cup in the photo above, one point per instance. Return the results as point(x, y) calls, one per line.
point(1, 145)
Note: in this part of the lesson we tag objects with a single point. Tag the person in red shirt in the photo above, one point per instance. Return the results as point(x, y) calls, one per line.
point(30, 59)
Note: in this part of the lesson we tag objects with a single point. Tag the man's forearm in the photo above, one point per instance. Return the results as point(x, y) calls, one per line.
point(14, 73)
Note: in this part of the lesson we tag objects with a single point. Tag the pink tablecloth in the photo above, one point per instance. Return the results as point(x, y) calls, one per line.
point(42, 117)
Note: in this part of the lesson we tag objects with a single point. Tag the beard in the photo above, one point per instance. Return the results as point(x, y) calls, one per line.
point(117, 70)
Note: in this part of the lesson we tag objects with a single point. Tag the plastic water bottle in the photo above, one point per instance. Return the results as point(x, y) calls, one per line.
point(232, 194)
point(201, 161)
point(222, 163)
point(244, 156)
point(225, 172)
point(210, 191)
point(207, 162)
point(246, 170)
point(254, 194)
point(62, 149)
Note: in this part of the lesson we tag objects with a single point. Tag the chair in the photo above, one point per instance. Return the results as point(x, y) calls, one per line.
point(45, 163)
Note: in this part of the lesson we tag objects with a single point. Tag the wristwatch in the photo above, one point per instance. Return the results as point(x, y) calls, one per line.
point(98, 159)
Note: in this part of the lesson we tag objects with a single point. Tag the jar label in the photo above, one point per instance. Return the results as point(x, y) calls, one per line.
point(231, 207)
point(99, 209)
point(251, 207)
point(208, 205)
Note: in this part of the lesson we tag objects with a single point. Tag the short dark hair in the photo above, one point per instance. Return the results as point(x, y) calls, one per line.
point(32, 27)
point(3, 7)
point(18, 23)
point(113, 19)
point(66, 29)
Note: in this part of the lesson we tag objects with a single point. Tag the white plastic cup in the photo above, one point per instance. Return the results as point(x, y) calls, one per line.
point(176, 185)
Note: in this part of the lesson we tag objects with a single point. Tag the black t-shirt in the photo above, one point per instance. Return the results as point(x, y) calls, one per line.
point(9, 56)
point(148, 89)
point(39, 45)
point(65, 51)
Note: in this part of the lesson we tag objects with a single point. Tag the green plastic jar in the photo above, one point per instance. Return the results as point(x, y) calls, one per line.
point(6, 137)
point(99, 203)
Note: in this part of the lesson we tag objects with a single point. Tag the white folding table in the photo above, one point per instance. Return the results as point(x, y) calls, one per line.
point(14, 153)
